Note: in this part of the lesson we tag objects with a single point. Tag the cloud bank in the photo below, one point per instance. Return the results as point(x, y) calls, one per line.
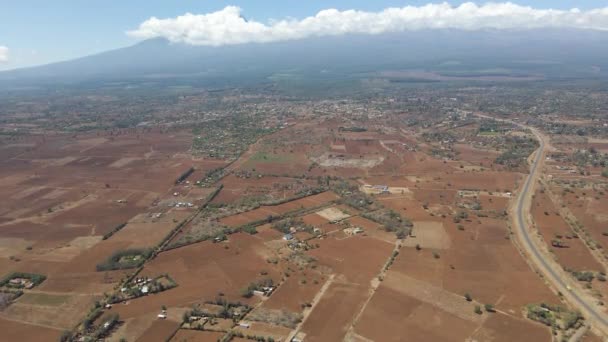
point(228, 26)
point(3, 54)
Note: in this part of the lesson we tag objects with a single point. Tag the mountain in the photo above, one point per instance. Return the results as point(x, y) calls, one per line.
point(550, 53)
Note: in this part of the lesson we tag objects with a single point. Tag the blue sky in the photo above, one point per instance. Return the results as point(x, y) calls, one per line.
point(42, 31)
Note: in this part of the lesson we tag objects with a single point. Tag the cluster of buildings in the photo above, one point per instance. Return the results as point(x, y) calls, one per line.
point(21, 283)
point(141, 285)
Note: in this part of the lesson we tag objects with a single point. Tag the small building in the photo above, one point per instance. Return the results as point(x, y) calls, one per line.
point(145, 289)
point(288, 237)
point(383, 189)
point(16, 281)
point(162, 315)
point(353, 231)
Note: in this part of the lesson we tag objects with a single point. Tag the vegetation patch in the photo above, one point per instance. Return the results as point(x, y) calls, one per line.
point(125, 259)
point(392, 221)
point(263, 285)
point(557, 317)
point(276, 317)
point(20, 280)
point(265, 157)
point(142, 286)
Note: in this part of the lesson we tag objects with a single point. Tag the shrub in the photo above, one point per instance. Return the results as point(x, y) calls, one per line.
point(249, 229)
point(583, 275)
point(478, 309)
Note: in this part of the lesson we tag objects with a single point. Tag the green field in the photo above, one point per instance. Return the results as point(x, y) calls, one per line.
point(43, 299)
point(265, 157)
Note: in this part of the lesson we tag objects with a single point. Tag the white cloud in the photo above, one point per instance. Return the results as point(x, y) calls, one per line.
point(227, 26)
point(3, 54)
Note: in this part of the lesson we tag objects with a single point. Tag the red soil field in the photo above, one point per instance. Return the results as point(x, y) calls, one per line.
point(294, 292)
point(576, 256)
point(392, 316)
point(203, 270)
point(474, 155)
point(330, 319)
point(236, 187)
point(358, 258)
point(14, 331)
point(161, 330)
point(590, 212)
point(503, 328)
point(184, 335)
point(484, 265)
point(263, 212)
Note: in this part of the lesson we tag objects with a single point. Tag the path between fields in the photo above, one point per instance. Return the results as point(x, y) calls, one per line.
point(539, 256)
point(314, 303)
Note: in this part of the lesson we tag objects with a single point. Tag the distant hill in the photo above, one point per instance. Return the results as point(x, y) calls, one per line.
point(550, 53)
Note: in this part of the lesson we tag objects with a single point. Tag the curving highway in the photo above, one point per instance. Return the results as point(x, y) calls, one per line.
point(572, 291)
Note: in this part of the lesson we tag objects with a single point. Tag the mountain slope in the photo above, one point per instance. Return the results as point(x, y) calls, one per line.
point(553, 53)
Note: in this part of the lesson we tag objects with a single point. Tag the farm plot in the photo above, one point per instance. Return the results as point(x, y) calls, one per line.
point(428, 234)
point(390, 315)
point(296, 291)
point(161, 330)
point(263, 212)
point(331, 317)
point(358, 258)
point(17, 331)
point(55, 310)
point(185, 335)
point(570, 250)
point(332, 214)
point(480, 261)
point(227, 267)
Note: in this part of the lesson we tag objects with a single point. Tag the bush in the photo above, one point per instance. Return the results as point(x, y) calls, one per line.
point(478, 309)
point(468, 297)
point(583, 276)
point(249, 229)
point(489, 308)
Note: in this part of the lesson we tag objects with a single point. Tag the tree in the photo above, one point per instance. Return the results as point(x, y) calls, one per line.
point(164, 308)
point(478, 309)
point(468, 297)
point(489, 308)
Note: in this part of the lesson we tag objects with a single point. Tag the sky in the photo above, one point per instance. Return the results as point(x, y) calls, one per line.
point(34, 32)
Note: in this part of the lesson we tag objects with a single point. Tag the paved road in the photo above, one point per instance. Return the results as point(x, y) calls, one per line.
point(552, 271)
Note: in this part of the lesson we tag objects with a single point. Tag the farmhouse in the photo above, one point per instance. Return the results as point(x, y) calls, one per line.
point(353, 231)
point(383, 189)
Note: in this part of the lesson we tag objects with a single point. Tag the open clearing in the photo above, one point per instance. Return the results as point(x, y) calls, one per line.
point(428, 234)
